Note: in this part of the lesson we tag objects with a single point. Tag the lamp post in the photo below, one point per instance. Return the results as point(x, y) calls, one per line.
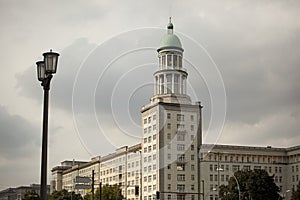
point(45, 69)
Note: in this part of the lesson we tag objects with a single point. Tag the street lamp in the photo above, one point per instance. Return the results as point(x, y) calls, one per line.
point(45, 69)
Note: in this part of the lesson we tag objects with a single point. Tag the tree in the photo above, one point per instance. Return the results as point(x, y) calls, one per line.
point(65, 195)
point(255, 184)
point(109, 192)
point(296, 193)
point(31, 195)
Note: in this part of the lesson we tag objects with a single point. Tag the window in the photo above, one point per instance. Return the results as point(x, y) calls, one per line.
point(145, 130)
point(181, 157)
point(192, 187)
point(169, 60)
point(180, 127)
point(169, 166)
point(180, 167)
point(154, 137)
point(169, 187)
point(149, 139)
point(180, 117)
point(168, 115)
point(180, 177)
point(145, 121)
point(145, 150)
point(180, 147)
point(169, 136)
point(154, 117)
point(192, 118)
point(180, 137)
point(211, 167)
point(192, 127)
point(154, 147)
point(149, 119)
point(169, 176)
point(154, 127)
point(145, 140)
point(180, 187)
point(149, 129)
point(175, 60)
point(169, 156)
point(168, 126)
point(192, 167)
point(154, 156)
point(192, 147)
point(192, 157)
point(192, 177)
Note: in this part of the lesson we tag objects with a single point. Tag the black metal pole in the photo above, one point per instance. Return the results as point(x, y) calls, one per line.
point(100, 188)
point(43, 187)
point(93, 179)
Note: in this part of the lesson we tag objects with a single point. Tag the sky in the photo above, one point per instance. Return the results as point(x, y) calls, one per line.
point(242, 58)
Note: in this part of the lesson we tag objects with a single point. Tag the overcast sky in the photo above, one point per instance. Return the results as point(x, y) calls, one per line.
point(242, 57)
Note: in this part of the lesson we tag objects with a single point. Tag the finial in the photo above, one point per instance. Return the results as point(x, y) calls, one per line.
point(170, 26)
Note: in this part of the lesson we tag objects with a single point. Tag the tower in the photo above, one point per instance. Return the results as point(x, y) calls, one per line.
point(171, 129)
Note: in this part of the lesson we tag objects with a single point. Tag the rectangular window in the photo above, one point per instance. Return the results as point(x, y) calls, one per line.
point(180, 147)
point(154, 147)
point(180, 127)
point(192, 177)
point(169, 60)
point(168, 115)
point(192, 118)
point(145, 140)
point(180, 137)
point(154, 137)
point(154, 117)
point(169, 136)
point(149, 119)
point(175, 60)
point(154, 127)
point(180, 117)
point(192, 167)
point(192, 127)
point(180, 167)
point(181, 157)
point(145, 130)
point(192, 157)
point(168, 126)
point(180, 188)
point(145, 121)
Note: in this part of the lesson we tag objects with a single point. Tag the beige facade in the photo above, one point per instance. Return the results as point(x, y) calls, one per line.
point(219, 162)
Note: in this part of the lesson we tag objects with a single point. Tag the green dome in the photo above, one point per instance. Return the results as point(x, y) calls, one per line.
point(170, 40)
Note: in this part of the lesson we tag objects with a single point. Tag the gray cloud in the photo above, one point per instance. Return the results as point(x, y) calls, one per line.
point(254, 44)
point(19, 138)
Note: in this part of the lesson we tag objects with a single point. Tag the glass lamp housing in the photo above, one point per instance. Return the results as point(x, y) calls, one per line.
point(41, 74)
point(50, 59)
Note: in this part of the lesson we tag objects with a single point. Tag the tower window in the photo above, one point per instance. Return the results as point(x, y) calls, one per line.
point(169, 60)
point(175, 60)
point(163, 60)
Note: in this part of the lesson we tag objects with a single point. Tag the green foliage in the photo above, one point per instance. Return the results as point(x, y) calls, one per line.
point(65, 195)
point(109, 192)
point(255, 184)
point(31, 195)
point(296, 193)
